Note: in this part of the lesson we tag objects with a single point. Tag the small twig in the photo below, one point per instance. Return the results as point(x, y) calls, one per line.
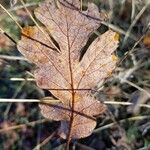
point(33, 123)
point(118, 29)
point(133, 10)
point(7, 35)
point(134, 21)
point(120, 121)
point(20, 6)
point(17, 8)
point(132, 49)
point(22, 79)
point(111, 13)
point(125, 104)
point(44, 142)
point(10, 15)
point(24, 100)
point(14, 96)
point(133, 57)
point(137, 87)
point(83, 147)
point(13, 57)
point(123, 75)
point(2, 100)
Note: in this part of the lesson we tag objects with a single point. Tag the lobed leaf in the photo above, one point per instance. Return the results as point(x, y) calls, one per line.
point(55, 49)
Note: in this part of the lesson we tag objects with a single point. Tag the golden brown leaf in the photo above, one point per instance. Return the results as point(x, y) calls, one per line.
point(59, 68)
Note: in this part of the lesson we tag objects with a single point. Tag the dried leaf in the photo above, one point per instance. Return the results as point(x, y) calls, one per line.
point(56, 52)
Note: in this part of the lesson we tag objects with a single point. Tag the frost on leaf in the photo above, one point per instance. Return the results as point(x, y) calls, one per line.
point(55, 49)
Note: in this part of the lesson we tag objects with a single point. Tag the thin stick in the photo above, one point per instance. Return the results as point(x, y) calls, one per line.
point(131, 51)
point(83, 147)
point(12, 57)
point(120, 121)
point(118, 29)
point(134, 21)
point(133, 10)
point(3, 100)
point(33, 123)
point(126, 104)
point(14, 96)
point(11, 16)
point(20, 7)
point(2, 16)
point(26, 100)
point(44, 142)
point(7, 35)
point(137, 87)
point(22, 79)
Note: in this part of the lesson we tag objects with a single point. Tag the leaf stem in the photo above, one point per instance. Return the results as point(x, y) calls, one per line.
point(72, 89)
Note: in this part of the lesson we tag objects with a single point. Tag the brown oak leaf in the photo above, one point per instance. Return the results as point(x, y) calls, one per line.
point(55, 49)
